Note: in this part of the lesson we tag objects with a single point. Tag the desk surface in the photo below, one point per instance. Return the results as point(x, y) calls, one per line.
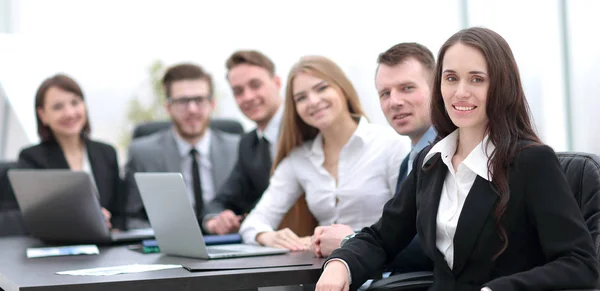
point(17, 272)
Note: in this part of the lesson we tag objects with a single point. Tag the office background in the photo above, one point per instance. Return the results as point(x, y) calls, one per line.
point(110, 47)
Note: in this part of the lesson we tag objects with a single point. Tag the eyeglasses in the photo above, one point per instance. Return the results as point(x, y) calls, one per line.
point(182, 103)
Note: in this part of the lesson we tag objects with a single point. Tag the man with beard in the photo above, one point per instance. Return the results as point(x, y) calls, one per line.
point(204, 156)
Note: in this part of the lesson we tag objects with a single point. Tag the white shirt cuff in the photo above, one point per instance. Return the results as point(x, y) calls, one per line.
point(249, 233)
point(347, 268)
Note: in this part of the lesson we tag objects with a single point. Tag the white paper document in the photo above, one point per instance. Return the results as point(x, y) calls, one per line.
point(126, 269)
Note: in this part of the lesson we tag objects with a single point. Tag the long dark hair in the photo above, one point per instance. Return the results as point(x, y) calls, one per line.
point(507, 110)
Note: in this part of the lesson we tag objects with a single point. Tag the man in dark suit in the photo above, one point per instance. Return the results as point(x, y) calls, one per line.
point(204, 156)
point(255, 86)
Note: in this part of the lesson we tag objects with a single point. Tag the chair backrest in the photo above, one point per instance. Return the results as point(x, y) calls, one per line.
point(7, 196)
point(583, 175)
point(11, 220)
point(222, 124)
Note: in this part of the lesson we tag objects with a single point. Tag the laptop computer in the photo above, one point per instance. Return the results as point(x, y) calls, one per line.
point(175, 224)
point(61, 206)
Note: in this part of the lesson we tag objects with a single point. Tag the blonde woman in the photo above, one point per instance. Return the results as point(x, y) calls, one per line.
point(346, 166)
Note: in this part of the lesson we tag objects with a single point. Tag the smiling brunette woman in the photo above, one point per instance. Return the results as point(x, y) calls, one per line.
point(64, 128)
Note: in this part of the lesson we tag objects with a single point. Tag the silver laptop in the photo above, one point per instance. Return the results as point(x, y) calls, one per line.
point(175, 224)
point(61, 206)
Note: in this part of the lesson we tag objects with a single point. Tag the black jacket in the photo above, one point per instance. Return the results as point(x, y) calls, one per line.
point(247, 181)
point(105, 169)
point(549, 245)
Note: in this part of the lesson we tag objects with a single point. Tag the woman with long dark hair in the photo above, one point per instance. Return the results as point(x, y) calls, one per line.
point(489, 201)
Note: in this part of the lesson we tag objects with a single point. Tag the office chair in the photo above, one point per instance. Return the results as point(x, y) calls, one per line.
point(222, 124)
point(11, 221)
point(583, 175)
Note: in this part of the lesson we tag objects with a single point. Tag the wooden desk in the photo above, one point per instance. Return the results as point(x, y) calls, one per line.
point(17, 272)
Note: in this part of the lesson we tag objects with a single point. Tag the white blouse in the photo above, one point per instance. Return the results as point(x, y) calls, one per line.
point(457, 185)
point(367, 175)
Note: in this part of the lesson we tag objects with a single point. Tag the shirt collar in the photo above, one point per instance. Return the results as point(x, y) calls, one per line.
point(202, 146)
point(476, 161)
point(271, 132)
point(359, 134)
point(426, 139)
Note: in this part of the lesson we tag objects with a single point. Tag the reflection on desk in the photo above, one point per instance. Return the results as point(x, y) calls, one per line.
point(19, 273)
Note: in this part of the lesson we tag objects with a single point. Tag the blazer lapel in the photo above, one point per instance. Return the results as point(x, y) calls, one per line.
point(93, 157)
point(261, 170)
point(429, 196)
point(171, 157)
point(219, 173)
point(96, 165)
point(474, 215)
point(56, 157)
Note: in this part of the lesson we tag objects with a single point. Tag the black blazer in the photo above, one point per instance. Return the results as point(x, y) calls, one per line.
point(105, 169)
point(247, 181)
point(549, 246)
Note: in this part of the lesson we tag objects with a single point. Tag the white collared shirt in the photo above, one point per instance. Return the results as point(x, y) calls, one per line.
point(204, 163)
point(271, 132)
point(367, 177)
point(456, 187)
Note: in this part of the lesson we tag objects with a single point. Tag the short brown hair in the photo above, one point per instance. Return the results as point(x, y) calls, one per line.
point(403, 51)
point(64, 83)
point(185, 71)
point(250, 57)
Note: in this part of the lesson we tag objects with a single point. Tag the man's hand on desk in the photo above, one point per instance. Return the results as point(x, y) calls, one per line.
point(335, 277)
point(326, 239)
point(107, 217)
point(224, 223)
point(285, 239)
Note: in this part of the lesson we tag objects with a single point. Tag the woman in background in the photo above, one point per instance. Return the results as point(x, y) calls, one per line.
point(346, 166)
point(63, 128)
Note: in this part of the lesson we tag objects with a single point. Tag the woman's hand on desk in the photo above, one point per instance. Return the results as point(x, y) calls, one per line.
point(224, 223)
point(335, 277)
point(107, 217)
point(285, 239)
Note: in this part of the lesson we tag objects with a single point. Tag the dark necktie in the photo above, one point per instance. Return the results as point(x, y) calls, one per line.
point(403, 172)
point(197, 184)
point(264, 153)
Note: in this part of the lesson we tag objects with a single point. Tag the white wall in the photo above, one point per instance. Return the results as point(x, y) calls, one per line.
point(108, 45)
point(584, 22)
point(532, 29)
point(5, 16)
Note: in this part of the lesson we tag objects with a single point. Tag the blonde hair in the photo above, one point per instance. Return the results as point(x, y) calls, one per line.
point(294, 131)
